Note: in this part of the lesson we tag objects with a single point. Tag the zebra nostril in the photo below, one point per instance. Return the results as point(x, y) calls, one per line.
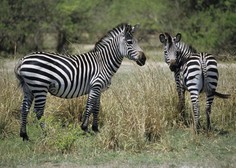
point(172, 62)
point(142, 59)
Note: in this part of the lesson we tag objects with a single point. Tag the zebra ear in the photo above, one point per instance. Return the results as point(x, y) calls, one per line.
point(162, 38)
point(135, 28)
point(177, 37)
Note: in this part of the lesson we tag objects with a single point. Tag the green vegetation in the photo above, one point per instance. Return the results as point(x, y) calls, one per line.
point(139, 125)
point(27, 26)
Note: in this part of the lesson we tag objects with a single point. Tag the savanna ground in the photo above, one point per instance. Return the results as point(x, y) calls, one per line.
point(139, 124)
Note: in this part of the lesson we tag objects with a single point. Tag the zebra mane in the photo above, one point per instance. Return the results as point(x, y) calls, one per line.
point(185, 48)
point(194, 50)
point(123, 27)
point(184, 52)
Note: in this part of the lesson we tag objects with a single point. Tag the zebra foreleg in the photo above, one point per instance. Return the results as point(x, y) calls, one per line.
point(39, 114)
point(86, 115)
point(40, 102)
point(95, 115)
point(92, 104)
point(181, 94)
point(84, 125)
point(181, 105)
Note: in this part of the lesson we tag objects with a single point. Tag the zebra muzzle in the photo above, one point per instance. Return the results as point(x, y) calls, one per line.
point(142, 59)
point(173, 65)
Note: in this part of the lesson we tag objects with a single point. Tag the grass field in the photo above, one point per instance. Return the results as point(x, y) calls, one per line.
point(139, 125)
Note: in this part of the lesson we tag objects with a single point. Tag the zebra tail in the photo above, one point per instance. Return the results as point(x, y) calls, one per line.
point(22, 83)
point(206, 82)
point(17, 73)
point(223, 96)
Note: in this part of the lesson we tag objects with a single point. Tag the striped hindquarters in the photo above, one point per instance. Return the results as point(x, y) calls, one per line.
point(210, 72)
point(201, 73)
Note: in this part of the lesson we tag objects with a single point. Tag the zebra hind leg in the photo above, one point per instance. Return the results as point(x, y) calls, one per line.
point(196, 116)
point(208, 112)
point(209, 102)
point(25, 107)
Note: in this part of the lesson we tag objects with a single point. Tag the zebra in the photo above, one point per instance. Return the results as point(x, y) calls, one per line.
point(71, 76)
point(186, 50)
point(194, 72)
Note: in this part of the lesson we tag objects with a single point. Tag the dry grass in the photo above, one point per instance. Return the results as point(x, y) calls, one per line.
point(139, 106)
point(137, 113)
point(10, 99)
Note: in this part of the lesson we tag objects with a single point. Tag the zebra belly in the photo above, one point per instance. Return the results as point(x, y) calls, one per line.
point(69, 90)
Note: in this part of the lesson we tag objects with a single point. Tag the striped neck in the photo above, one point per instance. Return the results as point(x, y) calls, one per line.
point(108, 48)
point(184, 51)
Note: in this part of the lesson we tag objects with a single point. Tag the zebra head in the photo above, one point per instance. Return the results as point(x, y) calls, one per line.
point(129, 45)
point(170, 49)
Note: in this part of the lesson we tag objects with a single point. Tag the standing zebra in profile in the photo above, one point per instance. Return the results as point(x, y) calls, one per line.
point(75, 75)
point(195, 72)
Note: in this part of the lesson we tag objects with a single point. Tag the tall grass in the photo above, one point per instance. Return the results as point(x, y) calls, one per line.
point(139, 111)
point(136, 112)
point(10, 99)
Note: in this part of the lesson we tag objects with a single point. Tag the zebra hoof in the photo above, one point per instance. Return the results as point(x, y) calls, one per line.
point(24, 136)
point(95, 128)
point(84, 128)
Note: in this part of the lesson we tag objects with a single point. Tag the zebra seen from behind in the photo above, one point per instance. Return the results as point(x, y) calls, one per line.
point(75, 75)
point(195, 72)
point(186, 50)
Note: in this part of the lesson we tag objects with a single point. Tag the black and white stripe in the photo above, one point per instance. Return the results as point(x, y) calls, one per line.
point(195, 72)
point(75, 75)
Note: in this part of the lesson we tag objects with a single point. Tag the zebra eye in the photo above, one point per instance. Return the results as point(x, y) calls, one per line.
point(130, 42)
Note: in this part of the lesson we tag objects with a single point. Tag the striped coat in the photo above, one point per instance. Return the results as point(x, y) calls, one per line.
point(70, 76)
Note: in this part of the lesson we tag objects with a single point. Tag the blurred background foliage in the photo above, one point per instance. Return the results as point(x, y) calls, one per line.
point(32, 25)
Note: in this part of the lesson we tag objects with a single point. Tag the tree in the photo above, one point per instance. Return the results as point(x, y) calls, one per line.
point(21, 24)
point(208, 25)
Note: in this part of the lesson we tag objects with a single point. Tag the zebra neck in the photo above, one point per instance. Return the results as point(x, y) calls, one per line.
point(109, 61)
point(184, 52)
point(184, 49)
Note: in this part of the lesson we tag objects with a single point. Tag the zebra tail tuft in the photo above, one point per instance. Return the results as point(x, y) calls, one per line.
point(223, 96)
